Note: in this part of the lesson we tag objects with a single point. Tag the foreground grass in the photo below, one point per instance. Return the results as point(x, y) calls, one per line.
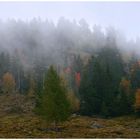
point(31, 126)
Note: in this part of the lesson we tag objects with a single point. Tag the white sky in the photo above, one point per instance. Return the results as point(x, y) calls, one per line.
point(122, 15)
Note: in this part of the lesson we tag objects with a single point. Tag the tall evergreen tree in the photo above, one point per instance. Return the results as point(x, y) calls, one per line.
point(54, 104)
point(100, 86)
point(91, 100)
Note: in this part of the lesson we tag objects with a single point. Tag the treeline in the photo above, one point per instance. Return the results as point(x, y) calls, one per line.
point(110, 86)
point(104, 85)
point(93, 74)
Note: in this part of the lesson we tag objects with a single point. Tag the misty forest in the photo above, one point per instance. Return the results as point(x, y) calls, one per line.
point(68, 79)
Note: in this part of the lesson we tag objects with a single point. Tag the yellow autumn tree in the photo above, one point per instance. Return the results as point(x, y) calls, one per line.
point(8, 83)
point(126, 97)
point(137, 101)
point(74, 101)
point(31, 92)
point(125, 86)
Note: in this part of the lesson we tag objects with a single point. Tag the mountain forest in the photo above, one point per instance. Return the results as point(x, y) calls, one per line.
point(53, 72)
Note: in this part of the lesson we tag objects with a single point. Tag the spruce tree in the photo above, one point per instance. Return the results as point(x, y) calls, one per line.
point(100, 82)
point(54, 104)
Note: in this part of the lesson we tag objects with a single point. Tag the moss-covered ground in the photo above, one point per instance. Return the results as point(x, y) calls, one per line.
point(31, 126)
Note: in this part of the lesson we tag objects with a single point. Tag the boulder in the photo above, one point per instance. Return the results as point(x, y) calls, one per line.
point(96, 125)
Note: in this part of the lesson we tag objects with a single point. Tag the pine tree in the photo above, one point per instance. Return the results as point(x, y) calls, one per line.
point(54, 104)
point(135, 75)
point(100, 82)
point(90, 99)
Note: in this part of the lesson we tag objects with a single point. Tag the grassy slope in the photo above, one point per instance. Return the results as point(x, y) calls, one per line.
point(16, 126)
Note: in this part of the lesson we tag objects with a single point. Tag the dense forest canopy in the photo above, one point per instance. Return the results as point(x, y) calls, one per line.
point(101, 69)
point(37, 37)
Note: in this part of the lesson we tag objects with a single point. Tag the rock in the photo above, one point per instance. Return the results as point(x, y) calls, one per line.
point(29, 132)
point(74, 115)
point(96, 125)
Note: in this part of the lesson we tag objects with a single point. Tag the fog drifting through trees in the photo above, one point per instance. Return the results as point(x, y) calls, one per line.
point(36, 39)
point(93, 63)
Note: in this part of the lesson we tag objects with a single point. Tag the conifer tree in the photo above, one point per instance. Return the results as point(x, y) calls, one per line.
point(54, 104)
point(100, 82)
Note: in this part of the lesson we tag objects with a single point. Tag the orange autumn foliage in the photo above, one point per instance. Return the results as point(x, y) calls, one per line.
point(137, 100)
point(125, 85)
point(8, 83)
point(78, 78)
